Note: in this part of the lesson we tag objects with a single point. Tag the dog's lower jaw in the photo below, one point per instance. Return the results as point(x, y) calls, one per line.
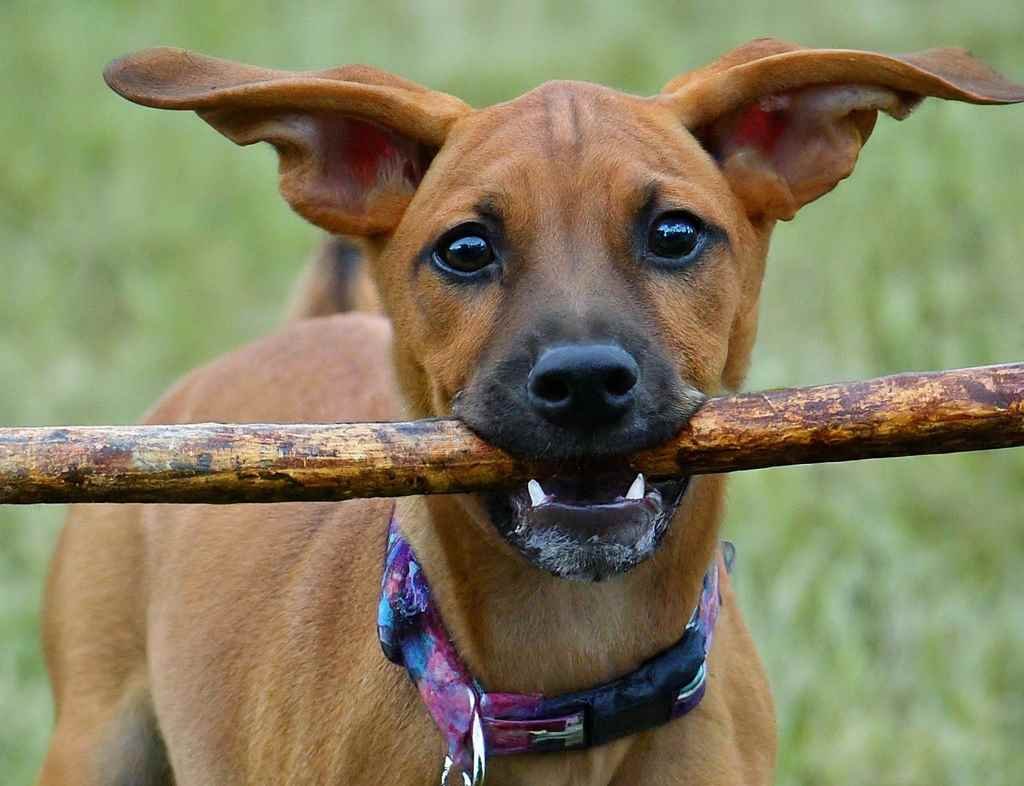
point(562, 555)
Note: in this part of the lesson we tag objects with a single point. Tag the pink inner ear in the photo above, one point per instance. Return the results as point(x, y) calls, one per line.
point(787, 149)
point(759, 128)
point(366, 148)
point(358, 158)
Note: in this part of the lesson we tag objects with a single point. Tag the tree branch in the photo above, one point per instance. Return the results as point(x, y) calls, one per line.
point(908, 414)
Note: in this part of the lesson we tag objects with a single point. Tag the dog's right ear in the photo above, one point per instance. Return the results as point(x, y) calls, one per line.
point(353, 142)
point(786, 124)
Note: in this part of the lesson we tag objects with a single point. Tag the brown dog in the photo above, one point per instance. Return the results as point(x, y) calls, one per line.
point(570, 273)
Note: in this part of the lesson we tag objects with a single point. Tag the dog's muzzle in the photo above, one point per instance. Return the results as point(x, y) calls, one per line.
point(581, 407)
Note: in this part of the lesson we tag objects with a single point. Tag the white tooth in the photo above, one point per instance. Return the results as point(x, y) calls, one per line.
point(636, 491)
point(537, 494)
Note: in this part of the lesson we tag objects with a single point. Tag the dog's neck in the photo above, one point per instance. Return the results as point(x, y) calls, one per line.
point(519, 629)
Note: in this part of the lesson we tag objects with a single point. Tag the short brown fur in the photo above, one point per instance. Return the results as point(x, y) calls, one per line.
point(239, 641)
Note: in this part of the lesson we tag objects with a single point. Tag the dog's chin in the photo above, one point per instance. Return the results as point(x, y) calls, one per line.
point(587, 527)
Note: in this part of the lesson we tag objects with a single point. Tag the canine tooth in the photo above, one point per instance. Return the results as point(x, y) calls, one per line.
point(537, 494)
point(636, 491)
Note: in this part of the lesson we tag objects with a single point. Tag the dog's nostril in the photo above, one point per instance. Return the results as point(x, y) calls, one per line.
point(620, 381)
point(550, 387)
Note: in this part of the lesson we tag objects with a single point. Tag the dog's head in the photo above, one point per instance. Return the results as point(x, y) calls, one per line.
point(573, 271)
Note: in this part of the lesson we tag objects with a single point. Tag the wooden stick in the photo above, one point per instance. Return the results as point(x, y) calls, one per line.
point(908, 414)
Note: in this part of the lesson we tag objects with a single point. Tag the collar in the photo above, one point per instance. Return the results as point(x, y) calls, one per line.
point(476, 723)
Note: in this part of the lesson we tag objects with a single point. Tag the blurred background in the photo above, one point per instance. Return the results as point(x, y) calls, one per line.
point(885, 596)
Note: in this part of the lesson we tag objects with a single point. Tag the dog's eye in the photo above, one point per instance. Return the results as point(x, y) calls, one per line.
point(676, 236)
point(464, 252)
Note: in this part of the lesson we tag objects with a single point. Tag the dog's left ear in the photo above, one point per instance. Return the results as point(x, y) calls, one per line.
point(786, 124)
point(353, 142)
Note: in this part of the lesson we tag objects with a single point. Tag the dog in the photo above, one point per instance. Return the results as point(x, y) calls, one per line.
point(570, 273)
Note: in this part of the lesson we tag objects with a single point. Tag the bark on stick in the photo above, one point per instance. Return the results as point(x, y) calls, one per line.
point(907, 414)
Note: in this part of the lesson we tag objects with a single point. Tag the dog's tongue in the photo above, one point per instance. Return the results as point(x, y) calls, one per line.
point(617, 522)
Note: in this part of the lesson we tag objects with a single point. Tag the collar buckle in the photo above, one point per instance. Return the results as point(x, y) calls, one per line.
point(572, 735)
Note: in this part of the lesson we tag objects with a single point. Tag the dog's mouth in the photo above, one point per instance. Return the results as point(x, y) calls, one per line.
point(588, 526)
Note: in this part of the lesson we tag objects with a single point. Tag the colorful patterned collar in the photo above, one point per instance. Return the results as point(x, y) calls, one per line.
point(476, 723)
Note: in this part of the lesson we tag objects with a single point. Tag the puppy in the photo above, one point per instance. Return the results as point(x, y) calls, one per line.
point(570, 273)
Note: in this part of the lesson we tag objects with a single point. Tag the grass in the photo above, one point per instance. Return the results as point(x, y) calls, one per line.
point(885, 596)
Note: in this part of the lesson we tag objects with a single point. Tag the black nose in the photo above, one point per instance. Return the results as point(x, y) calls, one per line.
point(583, 385)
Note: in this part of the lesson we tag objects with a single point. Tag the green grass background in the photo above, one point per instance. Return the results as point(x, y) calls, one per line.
point(885, 596)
